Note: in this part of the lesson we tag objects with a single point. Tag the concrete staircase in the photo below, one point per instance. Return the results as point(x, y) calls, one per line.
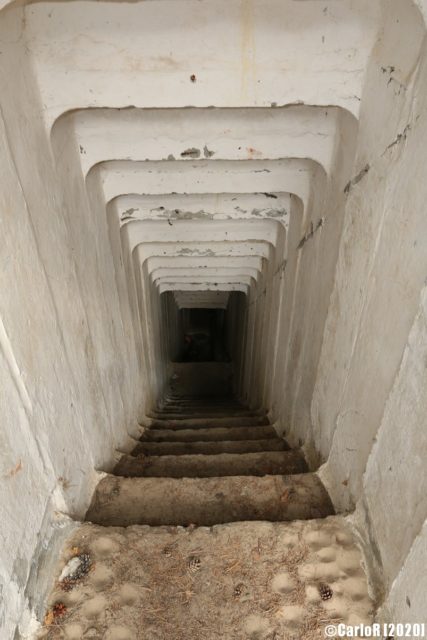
point(225, 465)
point(212, 528)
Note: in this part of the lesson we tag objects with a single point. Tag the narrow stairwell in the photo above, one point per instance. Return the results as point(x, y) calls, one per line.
point(209, 470)
point(211, 528)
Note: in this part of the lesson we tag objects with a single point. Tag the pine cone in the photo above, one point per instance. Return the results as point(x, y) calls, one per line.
point(326, 592)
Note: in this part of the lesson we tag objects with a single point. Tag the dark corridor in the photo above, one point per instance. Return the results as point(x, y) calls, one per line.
point(203, 335)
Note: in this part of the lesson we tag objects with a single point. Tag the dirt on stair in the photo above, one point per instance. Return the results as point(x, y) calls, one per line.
point(219, 421)
point(208, 501)
point(222, 446)
point(208, 466)
point(183, 413)
point(211, 529)
point(210, 434)
point(242, 581)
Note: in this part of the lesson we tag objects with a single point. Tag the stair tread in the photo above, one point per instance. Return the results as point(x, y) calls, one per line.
point(209, 434)
point(206, 409)
point(214, 406)
point(185, 397)
point(208, 501)
point(202, 465)
point(204, 415)
point(212, 447)
point(199, 423)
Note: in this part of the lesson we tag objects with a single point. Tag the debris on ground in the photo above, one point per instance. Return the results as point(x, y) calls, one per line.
point(75, 570)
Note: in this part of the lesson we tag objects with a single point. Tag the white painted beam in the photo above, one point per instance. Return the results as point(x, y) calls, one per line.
point(318, 56)
point(299, 131)
point(209, 177)
point(202, 287)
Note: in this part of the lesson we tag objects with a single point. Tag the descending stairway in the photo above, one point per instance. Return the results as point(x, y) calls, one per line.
point(228, 535)
point(225, 465)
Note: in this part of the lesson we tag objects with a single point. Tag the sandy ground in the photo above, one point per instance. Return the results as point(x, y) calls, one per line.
point(244, 580)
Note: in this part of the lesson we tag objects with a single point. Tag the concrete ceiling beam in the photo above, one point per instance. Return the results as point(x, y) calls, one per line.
point(204, 250)
point(194, 135)
point(220, 206)
point(194, 262)
point(227, 177)
point(117, 73)
point(201, 299)
point(138, 232)
point(215, 280)
point(219, 272)
point(203, 287)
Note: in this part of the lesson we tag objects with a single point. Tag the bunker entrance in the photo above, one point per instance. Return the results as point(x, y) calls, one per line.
point(203, 335)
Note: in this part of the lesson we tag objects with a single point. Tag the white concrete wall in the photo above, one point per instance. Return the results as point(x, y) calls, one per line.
point(291, 170)
point(366, 411)
point(63, 405)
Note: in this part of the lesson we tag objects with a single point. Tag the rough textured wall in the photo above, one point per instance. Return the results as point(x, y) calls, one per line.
point(394, 498)
point(71, 375)
point(365, 412)
point(57, 424)
point(315, 255)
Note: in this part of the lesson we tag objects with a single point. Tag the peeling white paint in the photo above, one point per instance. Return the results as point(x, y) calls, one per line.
point(285, 184)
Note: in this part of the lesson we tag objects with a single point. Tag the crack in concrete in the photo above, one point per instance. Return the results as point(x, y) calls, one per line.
point(362, 173)
point(311, 233)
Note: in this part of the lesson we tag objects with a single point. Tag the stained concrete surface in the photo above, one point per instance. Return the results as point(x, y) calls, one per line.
point(208, 501)
point(210, 434)
point(225, 446)
point(221, 464)
point(330, 334)
point(246, 581)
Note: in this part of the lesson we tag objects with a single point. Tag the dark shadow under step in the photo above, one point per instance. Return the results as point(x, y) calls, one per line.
point(208, 501)
point(209, 405)
point(209, 434)
point(200, 423)
point(205, 466)
point(209, 448)
point(201, 415)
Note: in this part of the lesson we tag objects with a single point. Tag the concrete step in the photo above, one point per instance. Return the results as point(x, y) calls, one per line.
point(187, 414)
point(196, 423)
point(209, 448)
point(208, 501)
point(213, 405)
point(209, 434)
point(208, 466)
point(185, 397)
point(203, 407)
point(197, 402)
point(175, 407)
